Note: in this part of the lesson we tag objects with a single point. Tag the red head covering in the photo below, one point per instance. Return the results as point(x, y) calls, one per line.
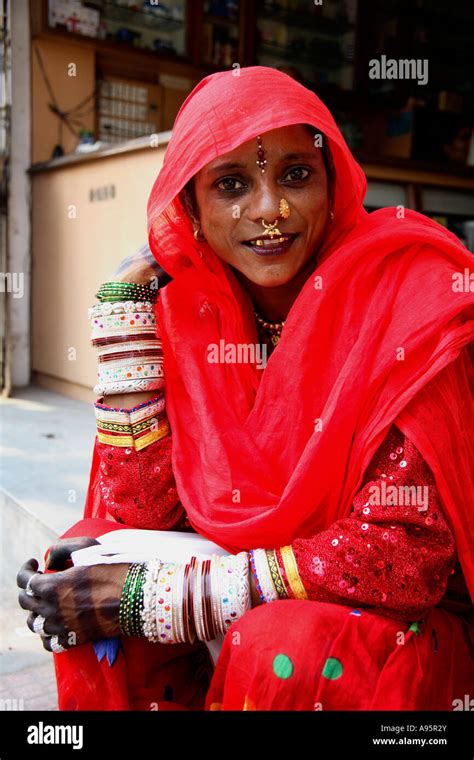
point(376, 344)
point(261, 458)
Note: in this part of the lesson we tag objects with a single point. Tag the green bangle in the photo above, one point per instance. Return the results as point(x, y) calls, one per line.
point(136, 602)
point(124, 607)
point(130, 291)
point(123, 600)
point(131, 601)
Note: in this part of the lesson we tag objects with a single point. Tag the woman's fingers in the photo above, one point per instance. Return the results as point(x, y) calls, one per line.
point(33, 603)
point(51, 625)
point(62, 639)
point(42, 599)
point(30, 620)
point(29, 568)
point(60, 553)
point(80, 603)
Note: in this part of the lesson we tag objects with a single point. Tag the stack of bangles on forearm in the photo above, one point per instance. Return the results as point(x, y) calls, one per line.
point(124, 332)
point(177, 603)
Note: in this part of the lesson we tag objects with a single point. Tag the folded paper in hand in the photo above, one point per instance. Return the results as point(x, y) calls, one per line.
point(130, 545)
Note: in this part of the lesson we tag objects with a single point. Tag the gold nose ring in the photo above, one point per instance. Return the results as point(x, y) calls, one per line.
point(272, 229)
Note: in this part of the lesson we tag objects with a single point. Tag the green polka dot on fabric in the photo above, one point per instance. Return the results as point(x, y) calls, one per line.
point(282, 666)
point(332, 669)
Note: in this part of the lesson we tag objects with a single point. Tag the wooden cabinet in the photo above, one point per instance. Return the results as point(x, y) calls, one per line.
point(202, 34)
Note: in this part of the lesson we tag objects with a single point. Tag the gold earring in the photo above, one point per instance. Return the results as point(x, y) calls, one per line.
point(284, 209)
point(197, 235)
point(331, 216)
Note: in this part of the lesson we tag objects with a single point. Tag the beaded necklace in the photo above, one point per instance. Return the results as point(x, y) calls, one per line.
point(270, 331)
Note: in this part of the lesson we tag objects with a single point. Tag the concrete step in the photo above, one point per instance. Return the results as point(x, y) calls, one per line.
point(46, 443)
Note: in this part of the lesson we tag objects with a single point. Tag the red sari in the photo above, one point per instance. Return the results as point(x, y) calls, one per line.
point(377, 336)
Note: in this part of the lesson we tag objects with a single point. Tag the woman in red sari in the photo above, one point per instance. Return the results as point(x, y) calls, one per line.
point(343, 467)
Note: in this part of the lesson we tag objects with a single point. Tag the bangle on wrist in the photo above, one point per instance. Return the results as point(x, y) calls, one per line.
point(263, 578)
point(131, 600)
point(130, 357)
point(176, 603)
point(117, 290)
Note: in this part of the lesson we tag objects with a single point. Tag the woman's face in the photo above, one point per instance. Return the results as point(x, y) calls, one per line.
point(233, 196)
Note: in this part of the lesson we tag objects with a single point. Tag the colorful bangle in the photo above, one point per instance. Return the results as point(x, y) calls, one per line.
point(123, 324)
point(136, 428)
point(263, 579)
point(130, 372)
point(164, 603)
point(255, 576)
point(291, 569)
point(109, 291)
point(172, 604)
point(234, 588)
point(275, 574)
point(282, 573)
point(130, 355)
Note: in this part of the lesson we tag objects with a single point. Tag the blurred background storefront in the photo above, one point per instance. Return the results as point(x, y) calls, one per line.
point(105, 79)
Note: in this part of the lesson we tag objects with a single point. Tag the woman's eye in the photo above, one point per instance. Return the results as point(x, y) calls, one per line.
point(296, 174)
point(230, 183)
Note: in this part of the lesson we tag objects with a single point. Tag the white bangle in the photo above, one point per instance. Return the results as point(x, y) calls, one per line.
point(130, 386)
point(234, 588)
point(107, 308)
point(164, 603)
point(149, 600)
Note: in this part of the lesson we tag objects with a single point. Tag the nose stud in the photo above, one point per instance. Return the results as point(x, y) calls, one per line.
point(284, 209)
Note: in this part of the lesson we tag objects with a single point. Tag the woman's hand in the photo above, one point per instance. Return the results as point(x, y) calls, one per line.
point(59, 555)
point(79, 604)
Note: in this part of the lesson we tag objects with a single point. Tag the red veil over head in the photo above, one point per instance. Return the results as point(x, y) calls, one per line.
point(261, 458)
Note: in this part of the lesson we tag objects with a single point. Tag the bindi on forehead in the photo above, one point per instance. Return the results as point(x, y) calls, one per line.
point(261, 160)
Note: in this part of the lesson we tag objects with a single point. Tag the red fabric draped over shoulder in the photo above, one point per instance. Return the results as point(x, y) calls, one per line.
point(383, 325)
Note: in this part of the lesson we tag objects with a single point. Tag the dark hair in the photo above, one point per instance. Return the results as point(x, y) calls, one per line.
point(328, 162)
point(188, 199)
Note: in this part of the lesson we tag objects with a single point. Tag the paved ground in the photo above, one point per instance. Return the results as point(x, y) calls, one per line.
point(46, 445)
point(27, 671)
point(45, 454)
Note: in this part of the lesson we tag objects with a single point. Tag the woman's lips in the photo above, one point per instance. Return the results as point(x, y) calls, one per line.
point(266, 246)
